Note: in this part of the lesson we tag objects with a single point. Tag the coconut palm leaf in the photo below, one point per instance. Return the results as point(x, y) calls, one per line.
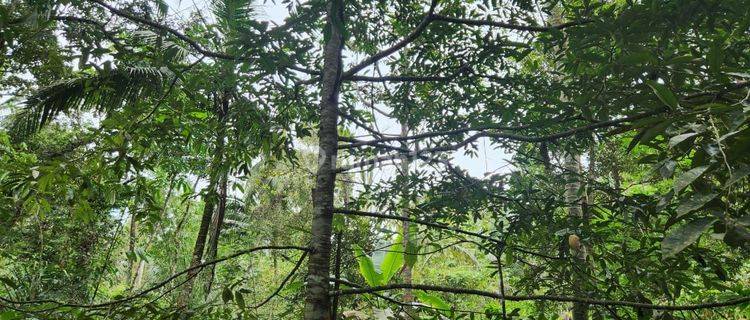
point(103, 92)
point(233, 15)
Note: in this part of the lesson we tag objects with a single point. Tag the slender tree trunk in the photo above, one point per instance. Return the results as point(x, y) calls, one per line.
point(216, 225)
point(591, 176)
point(406, 272)
point(138, 278)
point(200, 242)
point(501, 281)
point(132, 239)
point(208, 209)
point(317, 302)
point(573, 198)
point(337, 275)
point(138, 274)
point(218, 218)
point(573, 186)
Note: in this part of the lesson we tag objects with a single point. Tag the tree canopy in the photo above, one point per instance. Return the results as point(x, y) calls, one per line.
point(322, 159)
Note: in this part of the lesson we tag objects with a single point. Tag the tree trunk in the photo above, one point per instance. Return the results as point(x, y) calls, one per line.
point(317, 303)
point(406, 272)
point(573, 199)
point(573, 186)
point(132, 239)
point(210, 200)
point(200, 242)
point(218, 218)
point(337, 275)
point(138, 278)
point(216, 225)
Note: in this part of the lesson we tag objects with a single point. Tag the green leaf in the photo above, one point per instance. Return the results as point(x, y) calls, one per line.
point(737, 175)
point(693, 203)
point(240, 300)
point(637, 58)
point(648, 134)
point(688, 177)
point(226, 295)
point(684, 236)
point(200, 115)
point(715, 57)
point(9, 282)
point(412, 249)
point(665, 95)
point(393, 261)
point(740, 74)
point(432, 300)
point(11, 315)
point(680, 60)
point(515, 312)
point(737, 237)
point(366, 267)
point(680, 138)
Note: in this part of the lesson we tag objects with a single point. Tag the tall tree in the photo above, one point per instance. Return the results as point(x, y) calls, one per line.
point(317, 302)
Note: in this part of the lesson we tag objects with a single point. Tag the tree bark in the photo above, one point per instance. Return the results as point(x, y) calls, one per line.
point(132, 239)
point(216, 226)
point(406, 273)
point(572, 186)
point(200, 242)
point(208, 209)
point(337, 275)
point(573, 198)
point(317, 302)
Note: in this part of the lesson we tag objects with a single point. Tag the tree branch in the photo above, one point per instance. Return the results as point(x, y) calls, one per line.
point(417, 221)
point(192, 43)
point(496, 135)
point(283, 283)
point(397, 46)
point(153, 288)
point(708, 305)
point(505, 25)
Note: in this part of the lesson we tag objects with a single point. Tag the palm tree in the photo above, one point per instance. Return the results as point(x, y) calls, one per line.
point(232, 17)
point(105, 91)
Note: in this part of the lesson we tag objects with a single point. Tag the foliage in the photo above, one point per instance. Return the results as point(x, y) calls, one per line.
point(131, 131)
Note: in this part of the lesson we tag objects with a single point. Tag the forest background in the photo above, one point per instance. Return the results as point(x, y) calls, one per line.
point(240, 159)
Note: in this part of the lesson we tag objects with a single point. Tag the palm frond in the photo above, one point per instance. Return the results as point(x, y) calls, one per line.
point(106, 91)
point(233, 15)
point(171, 50)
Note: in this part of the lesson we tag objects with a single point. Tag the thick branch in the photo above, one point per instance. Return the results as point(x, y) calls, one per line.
point(505, 25)
point(283, 282)
point(494, 295)
point(402, 78)
point(156, 286)
point(417, 221)
point(195, 45)
point(422, 26)
point(517, 137)
point(397, 46)
point(499, 135)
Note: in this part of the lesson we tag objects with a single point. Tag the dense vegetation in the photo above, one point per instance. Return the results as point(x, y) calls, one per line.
point(164, 159)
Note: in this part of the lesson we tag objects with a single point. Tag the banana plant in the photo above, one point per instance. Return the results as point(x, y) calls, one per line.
point(392, 263)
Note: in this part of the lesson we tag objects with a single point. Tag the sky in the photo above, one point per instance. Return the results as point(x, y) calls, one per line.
point(489, 159)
